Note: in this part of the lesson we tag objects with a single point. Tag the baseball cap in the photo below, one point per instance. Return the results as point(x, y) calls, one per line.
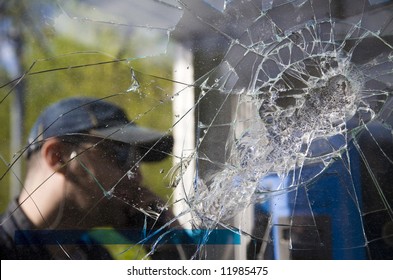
point(98, 118)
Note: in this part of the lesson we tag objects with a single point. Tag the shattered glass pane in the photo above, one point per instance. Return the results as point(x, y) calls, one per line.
point(307, 90)
point(280, 112)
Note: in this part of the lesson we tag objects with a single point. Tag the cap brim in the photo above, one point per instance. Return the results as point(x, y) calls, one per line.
point(153, 145)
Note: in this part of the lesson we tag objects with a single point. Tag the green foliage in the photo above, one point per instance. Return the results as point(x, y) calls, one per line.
point(117, 245)
point(4, 148)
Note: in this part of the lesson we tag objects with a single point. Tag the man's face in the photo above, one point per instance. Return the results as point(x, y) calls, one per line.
point(105, 179)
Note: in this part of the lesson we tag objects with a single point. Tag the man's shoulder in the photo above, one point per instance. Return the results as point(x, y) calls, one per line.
point(7, 247)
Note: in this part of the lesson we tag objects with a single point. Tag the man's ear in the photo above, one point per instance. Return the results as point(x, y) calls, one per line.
point(54, 153)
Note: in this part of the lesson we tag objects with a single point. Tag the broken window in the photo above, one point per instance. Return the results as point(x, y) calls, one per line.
point(280, 111)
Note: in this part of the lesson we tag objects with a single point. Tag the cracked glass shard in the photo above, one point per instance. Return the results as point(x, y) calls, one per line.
point(220, 5)
point(281, 111)
point(91, 21)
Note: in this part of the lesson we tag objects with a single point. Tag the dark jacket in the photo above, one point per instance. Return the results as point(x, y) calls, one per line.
point(20, 240)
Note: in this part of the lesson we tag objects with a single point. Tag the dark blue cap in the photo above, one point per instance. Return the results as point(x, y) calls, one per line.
point(98, 118)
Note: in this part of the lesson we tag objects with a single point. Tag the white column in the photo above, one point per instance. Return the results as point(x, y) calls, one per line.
point(183, 128)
